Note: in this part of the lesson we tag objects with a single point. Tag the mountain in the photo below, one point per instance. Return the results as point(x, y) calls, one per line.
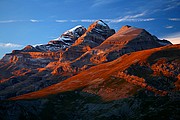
point(140, 85)
point(155, 69)
point(31, 68)
point(34, 68)
point(127, 39)
point(94, 36)
point(93, 74)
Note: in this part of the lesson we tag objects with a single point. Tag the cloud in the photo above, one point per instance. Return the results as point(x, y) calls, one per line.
point(169, 27)
point(131, 18)
point(174, 38)
point(61, 21)
point(137, 15)
point(7, 21)
point(9, 45)
point(174, 19)
point(97, 3)
point(13, 21)
point(171, 4)
point(74, 20)
point(35, 21)
point(88, 20)
point(126, 19)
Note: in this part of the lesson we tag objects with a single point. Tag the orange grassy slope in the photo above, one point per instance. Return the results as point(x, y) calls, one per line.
point(102, 73)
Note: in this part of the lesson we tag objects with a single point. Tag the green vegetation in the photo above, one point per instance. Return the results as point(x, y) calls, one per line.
point(76, 105)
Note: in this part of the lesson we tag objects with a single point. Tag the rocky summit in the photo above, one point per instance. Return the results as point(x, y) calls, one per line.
point(92, 73)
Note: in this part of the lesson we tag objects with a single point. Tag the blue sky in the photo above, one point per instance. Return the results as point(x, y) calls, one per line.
point(31, 22)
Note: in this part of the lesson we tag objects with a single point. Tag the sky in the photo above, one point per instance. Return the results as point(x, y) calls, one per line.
point(32, 22)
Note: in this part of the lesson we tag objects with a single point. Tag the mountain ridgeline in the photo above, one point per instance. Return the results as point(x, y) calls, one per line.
point(92, 73)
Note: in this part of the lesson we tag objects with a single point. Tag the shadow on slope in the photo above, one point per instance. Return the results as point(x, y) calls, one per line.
point(76, 105)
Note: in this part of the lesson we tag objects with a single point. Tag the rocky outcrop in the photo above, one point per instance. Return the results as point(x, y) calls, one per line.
point(94, 36)
point(128, 39)
point(162, 42)
point(96, 33)
point(68, 37)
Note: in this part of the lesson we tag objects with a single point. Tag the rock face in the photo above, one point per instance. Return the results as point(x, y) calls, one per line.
point(65, 40)
point(94, 36)
point(128, 39)
point(69, 37)
point(60, 43)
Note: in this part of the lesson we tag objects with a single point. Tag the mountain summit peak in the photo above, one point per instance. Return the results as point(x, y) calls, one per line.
point(100, 22)
point(125, 27)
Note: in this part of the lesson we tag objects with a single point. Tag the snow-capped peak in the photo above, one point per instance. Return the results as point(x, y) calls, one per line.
point(72, 34)
point(73, 29)
point(67, 38)
point(100, 22)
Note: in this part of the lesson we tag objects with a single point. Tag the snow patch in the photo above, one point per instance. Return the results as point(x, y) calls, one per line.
point(101, 23)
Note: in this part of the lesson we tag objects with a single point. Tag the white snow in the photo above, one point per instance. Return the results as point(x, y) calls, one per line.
point(73, 29)
point(63, 38)
point(66, 36)
point(68, 32)
point(101, 23)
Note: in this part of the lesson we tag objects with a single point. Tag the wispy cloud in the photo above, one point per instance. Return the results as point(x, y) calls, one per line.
point(134, 20)
point(173, 37)
point(88, 20)
point(131, 18)
point(153, 7)
point(7, 21)
point(169, 27)
point(61, 21)
point(128, 18)
point(35, 21)
point(121, 20)
point(174, 19)
point(116, 20)
point(171, 4)
point(74, 20)
point(10, 45)
point(97, 3)
point(137, 15)
point(13, 21)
